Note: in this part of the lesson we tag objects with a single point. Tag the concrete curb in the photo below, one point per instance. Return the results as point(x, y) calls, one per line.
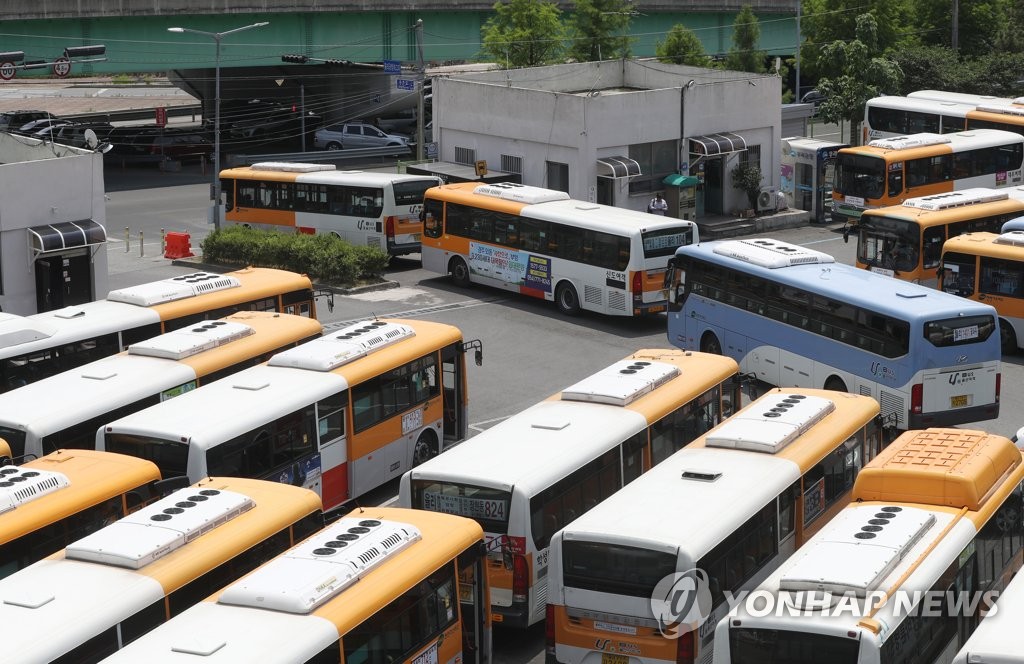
point(196, 262)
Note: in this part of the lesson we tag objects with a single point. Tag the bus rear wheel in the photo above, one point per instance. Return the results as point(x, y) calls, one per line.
point(426, 448)
point(709, 343)
point(567, 300)
point(459, 271)
point(836, 384)
point(1007, 338)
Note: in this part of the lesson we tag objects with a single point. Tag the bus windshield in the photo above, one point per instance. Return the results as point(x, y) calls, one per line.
point(665, 241)
point(860, 175)
point(489, 507)
point(411, 192)
point(775, 646)
point(888, 243)
point(958, 273)
point(171, 457)
point(611, 568)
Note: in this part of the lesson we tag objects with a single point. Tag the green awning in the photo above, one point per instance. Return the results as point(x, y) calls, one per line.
point(678, 180)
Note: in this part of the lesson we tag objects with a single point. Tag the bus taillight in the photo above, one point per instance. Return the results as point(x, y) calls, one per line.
point(520, 578)
point(389, 227)
point(549, 633)
point(684, 649)
point(917, 399)
point(638, 283)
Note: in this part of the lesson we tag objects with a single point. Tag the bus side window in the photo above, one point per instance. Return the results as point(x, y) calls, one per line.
point(895, 183)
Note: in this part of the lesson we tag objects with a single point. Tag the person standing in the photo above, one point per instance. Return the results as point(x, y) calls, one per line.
point(657, 205)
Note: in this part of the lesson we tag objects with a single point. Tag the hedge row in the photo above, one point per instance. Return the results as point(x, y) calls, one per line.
point(324, 258)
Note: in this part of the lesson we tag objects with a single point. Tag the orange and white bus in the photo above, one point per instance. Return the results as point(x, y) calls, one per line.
point(380, 586)
point(989, 268)
point(40, 345)
point(734, 504)
point(108, 588)
point(365, 208)
point(905, 241)
point(340, 415)
point(64, 411)
point(47, 503)
point(540, 243)
point(528, 476)
point(888, 171)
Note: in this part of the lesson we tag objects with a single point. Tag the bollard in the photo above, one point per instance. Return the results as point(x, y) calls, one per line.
point(163, 242)
point(127, 240)
point(141, 245)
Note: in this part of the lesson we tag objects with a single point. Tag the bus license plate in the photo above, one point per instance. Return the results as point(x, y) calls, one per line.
point(959, 401)
point(607, 658)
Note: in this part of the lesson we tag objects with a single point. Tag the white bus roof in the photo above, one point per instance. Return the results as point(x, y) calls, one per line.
point(944, 107)
point(548, 437)
point(600, 217)
point(997, 639)
point(964, 140)
point(958, 97)
point(745, 483)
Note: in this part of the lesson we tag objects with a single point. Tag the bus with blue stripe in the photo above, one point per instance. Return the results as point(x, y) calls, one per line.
point(793, 316)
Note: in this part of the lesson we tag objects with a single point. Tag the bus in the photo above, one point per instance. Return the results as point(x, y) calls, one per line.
point(963, 97)
point(905, 572)
point(41, 345)
point(997, 640)
point(49, 502)
point(792, 316)
point(540, 243)
point(528, 476)
point(989, 268)
point(889, 116)
point(64, 411)
point(379, 586)
point(890, 170)
point(339, 415)
point(364, 208)
point(759, 485)
point(987, 112)
point(905, 241)
point(106, 589)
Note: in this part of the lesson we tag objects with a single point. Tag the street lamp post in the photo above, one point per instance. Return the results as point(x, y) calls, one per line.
point(217, 37)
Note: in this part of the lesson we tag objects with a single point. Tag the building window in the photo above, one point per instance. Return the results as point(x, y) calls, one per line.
point(751, 156)
point(465, 156)
point(511, 164)
point(656, 161)
point(558, 176)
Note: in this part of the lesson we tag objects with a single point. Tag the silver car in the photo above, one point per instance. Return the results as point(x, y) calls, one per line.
point(355, 135)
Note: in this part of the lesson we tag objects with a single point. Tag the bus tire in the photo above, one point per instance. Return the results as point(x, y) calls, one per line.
point(459, 271)
point(709, 343)
point(567, 300)
point(1007, 338)
point(425, 449)
point(836, 384)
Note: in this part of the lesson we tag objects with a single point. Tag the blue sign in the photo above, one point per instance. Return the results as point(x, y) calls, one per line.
point(392, 67)
point(405, 84)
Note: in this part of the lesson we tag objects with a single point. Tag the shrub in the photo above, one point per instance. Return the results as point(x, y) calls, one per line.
point(322, 257)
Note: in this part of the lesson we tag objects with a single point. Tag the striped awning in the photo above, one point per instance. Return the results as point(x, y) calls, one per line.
point(617, 167)
point(66, 235)
point(711, 145)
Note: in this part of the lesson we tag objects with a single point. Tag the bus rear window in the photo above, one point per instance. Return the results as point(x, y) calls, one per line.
point(411, 193)
point(612, 568)
point(776, 646)
point(171, 457)
point(487, 506)
point(959, 331)
point(665, 241)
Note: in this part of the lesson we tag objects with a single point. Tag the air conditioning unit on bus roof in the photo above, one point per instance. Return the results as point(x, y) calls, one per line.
point(174, 288)
point(954, 199)
point(1003, 109)
point(291, 167)
point(1012, 238)
point(770, 253)
point(912, 141)
point(520, 193)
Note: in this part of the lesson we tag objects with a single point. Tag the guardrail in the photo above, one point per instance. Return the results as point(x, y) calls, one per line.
point(317, 156)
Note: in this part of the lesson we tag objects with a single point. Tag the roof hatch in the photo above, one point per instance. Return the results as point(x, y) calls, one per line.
point(621, 383)
point(176, 288)
point(870, 541)
point(316, 570)
point(350, 343)
point(771, 253)
point(521, 193)
point(954, 199)
point(186, 342)
point(19, 485)
point(158, 529)
point(770, 423)
point(912, 141)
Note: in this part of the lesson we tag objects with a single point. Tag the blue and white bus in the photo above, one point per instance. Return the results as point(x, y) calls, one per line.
point(793, 316)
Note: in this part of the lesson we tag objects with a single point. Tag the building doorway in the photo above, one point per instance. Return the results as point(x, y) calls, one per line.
point(62, 280)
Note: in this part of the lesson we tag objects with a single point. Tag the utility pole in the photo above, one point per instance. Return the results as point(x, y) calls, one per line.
point(799, 41)
point(956, 25)
point(422, 79)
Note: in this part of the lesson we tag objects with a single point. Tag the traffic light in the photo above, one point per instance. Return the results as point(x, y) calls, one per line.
point(295, 57)
point(12, 56)
point(84, 51)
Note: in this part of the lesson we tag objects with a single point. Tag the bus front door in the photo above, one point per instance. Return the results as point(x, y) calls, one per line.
point(453, 369)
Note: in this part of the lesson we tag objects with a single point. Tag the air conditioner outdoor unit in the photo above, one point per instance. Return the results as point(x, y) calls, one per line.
point(767, 199)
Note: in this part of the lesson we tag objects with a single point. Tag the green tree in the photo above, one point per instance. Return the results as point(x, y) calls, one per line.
point(599, 30)
point(524, 33)
point(747, 178)
point(682, 47)
point(826, 21)
point(979, 23)
point(746, 32)
point(852, 73)
point(1010, 36)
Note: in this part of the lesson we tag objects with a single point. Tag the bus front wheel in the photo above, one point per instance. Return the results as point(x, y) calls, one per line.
point(836, 384)
point(459, 271)
point(709, 343)
point(567, 300)
point(1007, 338)
point(426, 448)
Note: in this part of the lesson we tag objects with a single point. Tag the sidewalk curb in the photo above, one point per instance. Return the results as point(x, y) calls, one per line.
point(197, 263)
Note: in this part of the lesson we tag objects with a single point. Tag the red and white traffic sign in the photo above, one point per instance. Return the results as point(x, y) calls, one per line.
point(61, 67)
point(7, 70)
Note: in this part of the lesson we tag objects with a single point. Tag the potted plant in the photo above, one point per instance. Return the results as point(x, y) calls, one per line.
point(747, 178)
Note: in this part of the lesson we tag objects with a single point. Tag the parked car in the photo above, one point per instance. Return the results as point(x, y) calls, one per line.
point(813, 97)
point(355, 135)
point(12, 121)
point(74, 133)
